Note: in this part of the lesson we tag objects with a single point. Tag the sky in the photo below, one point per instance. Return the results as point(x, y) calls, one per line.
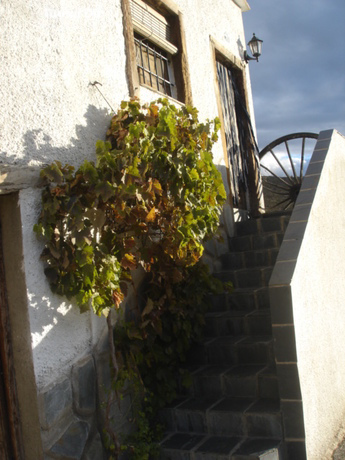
point(299, 82)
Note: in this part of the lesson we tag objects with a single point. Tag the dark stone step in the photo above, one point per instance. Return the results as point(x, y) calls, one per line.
point(241, 299)
point(191, 415)
point(252, 381)
point(255, 242)
point(249, 259)
point(255, 350)
point(223, 350)
point(259, 449)
point(246, 277)
point(264, 419)
point(228, 416)
point(182, 446)
point(231, 350)
point(237, 322)
point(243, 417)
point(231, 410)
point(265, 224)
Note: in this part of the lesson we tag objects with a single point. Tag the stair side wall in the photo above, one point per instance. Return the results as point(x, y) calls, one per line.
point(307, 292)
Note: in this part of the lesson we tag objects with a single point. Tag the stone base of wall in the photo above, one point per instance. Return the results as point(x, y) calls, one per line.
point(73, 411)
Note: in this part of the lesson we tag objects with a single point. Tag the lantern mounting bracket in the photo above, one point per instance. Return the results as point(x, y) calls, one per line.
point(255, 45)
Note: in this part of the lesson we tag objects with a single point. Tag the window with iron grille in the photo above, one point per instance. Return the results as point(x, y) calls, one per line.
point(157, 56)
point(154, 67)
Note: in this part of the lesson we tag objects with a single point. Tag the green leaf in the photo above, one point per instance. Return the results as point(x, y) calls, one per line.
point(104, 190)
point(90, 171)
point(53, 173)
point(97, 218)
point(148, 308)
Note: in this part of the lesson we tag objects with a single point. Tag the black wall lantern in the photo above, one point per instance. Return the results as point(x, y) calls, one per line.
point(255, 45)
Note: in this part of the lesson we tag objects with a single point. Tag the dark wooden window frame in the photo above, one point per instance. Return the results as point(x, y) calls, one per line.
point(179, 61)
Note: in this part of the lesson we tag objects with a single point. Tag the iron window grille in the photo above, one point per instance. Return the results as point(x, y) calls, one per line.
point(153, 66)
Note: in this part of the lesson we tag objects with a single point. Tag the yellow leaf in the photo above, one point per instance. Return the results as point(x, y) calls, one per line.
point(148, 308)
point(157, 187)
point(117, 298)
point(128, 261)
point(151, 215)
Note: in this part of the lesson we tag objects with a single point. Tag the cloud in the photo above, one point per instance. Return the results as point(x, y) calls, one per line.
point(271, 163)
point(278, 160)
point(299, 82)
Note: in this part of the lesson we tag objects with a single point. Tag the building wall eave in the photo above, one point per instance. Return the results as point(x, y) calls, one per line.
point(243, 4)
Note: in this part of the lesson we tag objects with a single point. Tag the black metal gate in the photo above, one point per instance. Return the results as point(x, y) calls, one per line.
point(242, 150)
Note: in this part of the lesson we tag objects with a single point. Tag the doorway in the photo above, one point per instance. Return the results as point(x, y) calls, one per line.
point(20, 432)
point(240, 143)
point(10, 435)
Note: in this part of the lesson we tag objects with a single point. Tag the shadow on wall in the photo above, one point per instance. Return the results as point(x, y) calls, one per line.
point(54, 320)
point(51, 315)
point(240, 47)
point(38, 146)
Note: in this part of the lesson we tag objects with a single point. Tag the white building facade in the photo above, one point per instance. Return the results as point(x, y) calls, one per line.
point(64, 66)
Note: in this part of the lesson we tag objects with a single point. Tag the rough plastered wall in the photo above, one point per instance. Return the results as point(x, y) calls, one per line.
point(318, 293)
point(50, 52)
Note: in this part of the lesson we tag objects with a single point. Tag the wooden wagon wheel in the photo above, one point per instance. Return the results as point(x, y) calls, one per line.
point(282, 181)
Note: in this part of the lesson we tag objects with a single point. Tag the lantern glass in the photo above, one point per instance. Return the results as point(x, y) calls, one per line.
point(255, 45)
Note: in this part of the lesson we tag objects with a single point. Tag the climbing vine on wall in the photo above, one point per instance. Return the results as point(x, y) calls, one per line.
point(150, 200)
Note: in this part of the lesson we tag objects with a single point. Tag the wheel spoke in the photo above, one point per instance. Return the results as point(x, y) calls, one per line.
point(275, 175)
point(285, 207)
point(281, 166)
point(284, 201)
point(277, 186)
point(302, 159)
point(290, 158)
point(274, 190)
point(288, 185)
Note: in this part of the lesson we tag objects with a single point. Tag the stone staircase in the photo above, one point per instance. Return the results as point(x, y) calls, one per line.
point(231, 411)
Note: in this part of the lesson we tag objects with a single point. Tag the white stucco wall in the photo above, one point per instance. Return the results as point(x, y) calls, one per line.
point(49, 53)
point(318, 300)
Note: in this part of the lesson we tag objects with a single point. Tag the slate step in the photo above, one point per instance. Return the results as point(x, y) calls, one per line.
point(238, 322)
point(227, 416)
point(246, 277)
point(231, 410)
point(231, 350)
point(249, 259)
point(242, 381)
point(267, 223)
point(256, 242)
point(241, 299)
point(183, 446)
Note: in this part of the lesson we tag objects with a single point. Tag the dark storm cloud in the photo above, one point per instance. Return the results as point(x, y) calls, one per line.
point(299, 83)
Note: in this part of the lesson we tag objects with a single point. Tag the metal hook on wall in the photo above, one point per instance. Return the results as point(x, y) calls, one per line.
point(94, 84)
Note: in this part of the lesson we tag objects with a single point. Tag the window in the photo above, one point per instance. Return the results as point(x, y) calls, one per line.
point(156, 48)
point(153, 65)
